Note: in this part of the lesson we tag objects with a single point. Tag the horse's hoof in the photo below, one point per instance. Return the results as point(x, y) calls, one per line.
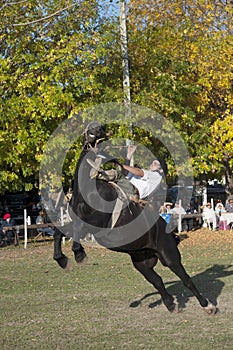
point(82, 262)
point(174, 308)
point(68, 267)
point(80, 256)
point(210, 309)
point(62, 261)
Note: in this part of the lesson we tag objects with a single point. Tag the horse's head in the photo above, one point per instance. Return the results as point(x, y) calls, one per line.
point(94, 133)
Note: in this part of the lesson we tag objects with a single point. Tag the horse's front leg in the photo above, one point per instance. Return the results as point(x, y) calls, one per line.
point(60, 258)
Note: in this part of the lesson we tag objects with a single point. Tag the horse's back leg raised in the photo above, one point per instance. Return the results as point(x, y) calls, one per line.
point(145, 267)
point(170, 256)
point(60, 258)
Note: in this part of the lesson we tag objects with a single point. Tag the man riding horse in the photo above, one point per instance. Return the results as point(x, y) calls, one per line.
point(137, 231)
point(144, 181)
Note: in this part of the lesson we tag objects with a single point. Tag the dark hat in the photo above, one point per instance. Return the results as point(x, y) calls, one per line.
point(6, 216)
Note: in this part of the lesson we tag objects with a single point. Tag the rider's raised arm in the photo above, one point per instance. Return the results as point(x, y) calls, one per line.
point(127, 168)
point(135, 171)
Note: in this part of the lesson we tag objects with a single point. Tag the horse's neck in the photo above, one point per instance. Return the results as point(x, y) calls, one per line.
point(85, 152)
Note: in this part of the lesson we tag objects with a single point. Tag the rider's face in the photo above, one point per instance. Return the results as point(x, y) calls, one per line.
point(155, 165)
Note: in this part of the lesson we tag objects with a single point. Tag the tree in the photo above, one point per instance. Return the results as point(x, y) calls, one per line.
point(54, 62)
point(60, 57)
point(182, 68)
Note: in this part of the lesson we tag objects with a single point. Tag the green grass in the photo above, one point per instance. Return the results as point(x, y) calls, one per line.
point(42, 307)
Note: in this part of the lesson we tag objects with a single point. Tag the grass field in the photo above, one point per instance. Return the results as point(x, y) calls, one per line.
point(107, 304)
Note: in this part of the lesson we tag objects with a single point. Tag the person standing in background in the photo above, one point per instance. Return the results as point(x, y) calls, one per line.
point(6, 230)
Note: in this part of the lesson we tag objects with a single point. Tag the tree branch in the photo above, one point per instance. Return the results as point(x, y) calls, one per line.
point(12, 3)
point(44, 18)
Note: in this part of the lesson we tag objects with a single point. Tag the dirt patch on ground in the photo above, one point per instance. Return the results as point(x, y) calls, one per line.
point(205, 237)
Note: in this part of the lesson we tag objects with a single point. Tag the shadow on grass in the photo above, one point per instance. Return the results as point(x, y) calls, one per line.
point(208, 282)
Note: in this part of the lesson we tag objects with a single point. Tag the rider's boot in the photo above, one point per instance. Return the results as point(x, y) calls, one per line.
point(95, 167)
point(96, 171)
point(108, 175)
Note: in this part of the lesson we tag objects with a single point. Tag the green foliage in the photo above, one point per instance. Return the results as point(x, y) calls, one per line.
point(182, 68)
point(49, 69)
point(180, 58)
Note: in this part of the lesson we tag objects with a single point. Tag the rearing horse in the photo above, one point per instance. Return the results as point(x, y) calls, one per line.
point(154, 244)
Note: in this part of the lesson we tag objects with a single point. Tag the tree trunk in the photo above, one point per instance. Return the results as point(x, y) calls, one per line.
point(228, 175)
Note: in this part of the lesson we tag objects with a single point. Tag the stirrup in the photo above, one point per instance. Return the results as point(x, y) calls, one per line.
point(95, 167)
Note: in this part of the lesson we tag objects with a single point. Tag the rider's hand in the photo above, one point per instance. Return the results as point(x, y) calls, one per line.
point(130, 151)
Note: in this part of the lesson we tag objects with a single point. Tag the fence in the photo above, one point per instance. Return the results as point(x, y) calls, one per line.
point(179, 217)
point(28, 226)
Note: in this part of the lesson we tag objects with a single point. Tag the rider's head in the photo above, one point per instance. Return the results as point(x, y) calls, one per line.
point(163, 166)
point(155, 166)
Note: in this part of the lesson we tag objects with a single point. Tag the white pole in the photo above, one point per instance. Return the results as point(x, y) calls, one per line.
point(29, 222)
point(62, 216)
point(125, 67)
point(214, 216)
point(25, 229)
point(124, 50)
point(180, 219)
point(204, 195)
point(62, 223)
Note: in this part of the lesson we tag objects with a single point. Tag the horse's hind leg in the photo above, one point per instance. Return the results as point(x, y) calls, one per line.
point(60, 258)
point(79, 253)
point(145, 267)
point(172, 259)
point(187, 281)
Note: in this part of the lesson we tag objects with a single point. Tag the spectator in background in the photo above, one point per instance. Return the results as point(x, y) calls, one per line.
point(219, 209)
point(208, 215)
point(165, 215)
point(190, 209)
point(42, 219)
point(168, 207)
point(229, 205)
point(188, 223)
point(6, 230)
point(178, 209)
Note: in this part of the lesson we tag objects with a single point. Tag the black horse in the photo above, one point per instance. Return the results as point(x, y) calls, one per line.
point(145, 250)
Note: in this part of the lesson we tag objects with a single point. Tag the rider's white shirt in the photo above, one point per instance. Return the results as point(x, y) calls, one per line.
point(146, 184)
